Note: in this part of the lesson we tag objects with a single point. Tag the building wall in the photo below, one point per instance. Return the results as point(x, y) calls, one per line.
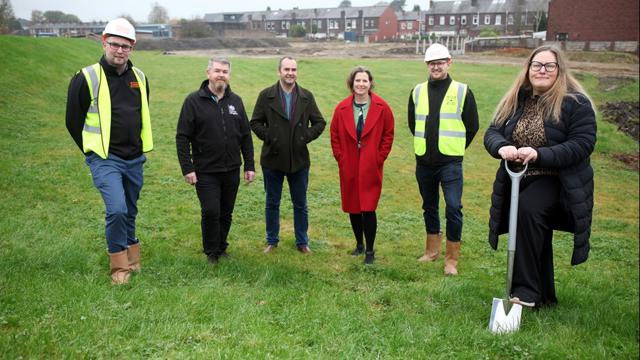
point(593, 20)
point(387, 26)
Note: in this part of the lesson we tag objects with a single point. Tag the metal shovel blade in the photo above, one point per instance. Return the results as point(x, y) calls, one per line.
point(502, 321)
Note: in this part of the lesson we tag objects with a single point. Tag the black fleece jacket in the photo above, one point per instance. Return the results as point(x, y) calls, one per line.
point(212, 133)
point(437, 90)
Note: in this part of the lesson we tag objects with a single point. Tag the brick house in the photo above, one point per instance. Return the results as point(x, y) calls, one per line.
point(593, 20)
point(469, 17)
point(409, 24)
point(359, 23)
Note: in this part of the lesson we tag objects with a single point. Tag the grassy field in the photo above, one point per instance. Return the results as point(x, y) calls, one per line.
point(56, 300)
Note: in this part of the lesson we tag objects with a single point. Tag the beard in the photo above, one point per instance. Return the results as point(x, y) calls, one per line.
point(220, 86)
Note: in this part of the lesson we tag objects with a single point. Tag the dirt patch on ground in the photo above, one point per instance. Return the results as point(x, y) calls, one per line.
point(625, 115)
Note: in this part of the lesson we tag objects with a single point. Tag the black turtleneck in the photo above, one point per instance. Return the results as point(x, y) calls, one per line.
point(437, 91)
point(126, 110)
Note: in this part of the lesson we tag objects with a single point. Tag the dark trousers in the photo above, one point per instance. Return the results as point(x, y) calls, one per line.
point(298, 183)
point(449, 176)
point(217, 193)
point(364, 223)
point(533, 278)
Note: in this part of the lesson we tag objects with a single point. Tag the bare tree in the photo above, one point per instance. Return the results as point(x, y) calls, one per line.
point(398, 5)
point(6, 16)
point(345, 4)
point(416, 7)
point(37, 16)
point(129, 19)
point(158, 14)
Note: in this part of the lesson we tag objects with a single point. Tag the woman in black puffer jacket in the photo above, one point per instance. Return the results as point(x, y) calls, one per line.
point(545, 120)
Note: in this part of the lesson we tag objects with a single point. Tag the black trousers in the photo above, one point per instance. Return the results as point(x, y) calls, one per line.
point(533, 277)
point(364, 223)
point(217, 193)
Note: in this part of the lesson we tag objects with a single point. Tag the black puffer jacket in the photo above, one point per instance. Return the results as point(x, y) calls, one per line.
point(570, 143)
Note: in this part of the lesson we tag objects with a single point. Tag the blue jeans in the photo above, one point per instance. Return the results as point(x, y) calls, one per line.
point(119, 182)
point(449, 176)
point(298, 182)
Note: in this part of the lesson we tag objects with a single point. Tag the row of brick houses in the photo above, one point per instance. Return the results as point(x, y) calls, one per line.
point(568, 21)
point(381, 23)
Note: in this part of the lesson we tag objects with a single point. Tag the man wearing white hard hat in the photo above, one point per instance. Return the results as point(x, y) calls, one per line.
point(443, 119)
point(108, 118)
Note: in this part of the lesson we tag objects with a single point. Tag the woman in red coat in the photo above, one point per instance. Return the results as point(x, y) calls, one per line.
point(361, 138)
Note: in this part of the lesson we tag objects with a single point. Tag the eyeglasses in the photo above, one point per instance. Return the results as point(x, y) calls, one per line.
point(115, 46)
point(549, 67)
point(436, 63)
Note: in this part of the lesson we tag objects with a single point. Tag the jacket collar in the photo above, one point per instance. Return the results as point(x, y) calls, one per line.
point(111, 70)
point(275, 101)
point(373, 115)
point(206, 92)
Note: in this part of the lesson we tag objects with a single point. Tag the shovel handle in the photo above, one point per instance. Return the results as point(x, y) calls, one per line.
point(513, 220)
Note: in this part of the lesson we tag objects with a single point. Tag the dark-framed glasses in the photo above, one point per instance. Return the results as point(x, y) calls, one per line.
point(115, 46)
point(549, 67)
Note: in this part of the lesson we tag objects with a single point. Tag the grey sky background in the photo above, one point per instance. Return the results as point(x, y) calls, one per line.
point(88, 10)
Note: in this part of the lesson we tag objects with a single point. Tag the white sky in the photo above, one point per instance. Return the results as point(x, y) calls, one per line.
point(88, 10)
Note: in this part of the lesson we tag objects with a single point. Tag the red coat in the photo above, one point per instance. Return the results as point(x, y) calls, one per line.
point(361, 171)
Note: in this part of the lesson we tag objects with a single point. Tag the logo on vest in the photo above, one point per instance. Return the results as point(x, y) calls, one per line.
point(134, 85)
point(232, 110)
point(451, 101)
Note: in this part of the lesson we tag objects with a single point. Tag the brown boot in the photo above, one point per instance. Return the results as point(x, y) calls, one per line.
point(432, 247)
point(133, 253)
point(451, 258)
point(119, 267)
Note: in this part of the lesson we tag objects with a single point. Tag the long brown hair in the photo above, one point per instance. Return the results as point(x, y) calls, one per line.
point(551, 101)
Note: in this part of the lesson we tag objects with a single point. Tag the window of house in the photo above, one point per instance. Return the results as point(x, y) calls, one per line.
point(498, 19)
point(562, 36)
point(523, 19)
point(319, 24)
point(474, 20)
point(354, 24)
point(431, 20)
point(463, 19)
point(452, 20)
point(487, 19)
point(409, 25)
point(441, 20)
point(510, 19)
point(403, 25)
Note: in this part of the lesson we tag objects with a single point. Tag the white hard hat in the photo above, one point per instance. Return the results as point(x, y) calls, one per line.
point(436, 52)
point(120, 27)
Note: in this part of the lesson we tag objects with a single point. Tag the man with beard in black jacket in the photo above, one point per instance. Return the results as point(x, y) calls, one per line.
point(213, 131)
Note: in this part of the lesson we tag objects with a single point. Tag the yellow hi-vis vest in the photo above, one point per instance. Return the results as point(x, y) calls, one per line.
point(452, 135)
point(97, 124)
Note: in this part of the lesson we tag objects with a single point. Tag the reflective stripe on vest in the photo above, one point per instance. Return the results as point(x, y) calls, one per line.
point(451, 130)
point(97, 126)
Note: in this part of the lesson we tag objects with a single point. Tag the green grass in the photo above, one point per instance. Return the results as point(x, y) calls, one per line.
point(56, 300)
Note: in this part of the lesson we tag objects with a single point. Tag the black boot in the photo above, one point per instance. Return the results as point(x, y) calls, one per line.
point(369, 257)
point(359, 250)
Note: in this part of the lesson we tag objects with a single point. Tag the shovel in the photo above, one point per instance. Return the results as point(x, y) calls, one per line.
point(505, 316)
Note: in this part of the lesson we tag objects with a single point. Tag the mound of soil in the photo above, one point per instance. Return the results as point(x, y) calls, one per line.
point(625, 114)
point(209, 43)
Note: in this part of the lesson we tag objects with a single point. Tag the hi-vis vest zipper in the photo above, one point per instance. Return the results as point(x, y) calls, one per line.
point(97, 124)
point(452, 135)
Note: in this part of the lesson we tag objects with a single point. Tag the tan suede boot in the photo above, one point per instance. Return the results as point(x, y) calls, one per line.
point(119, 267)
point(451, 258)
point(133, 253)
point(432, 247)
